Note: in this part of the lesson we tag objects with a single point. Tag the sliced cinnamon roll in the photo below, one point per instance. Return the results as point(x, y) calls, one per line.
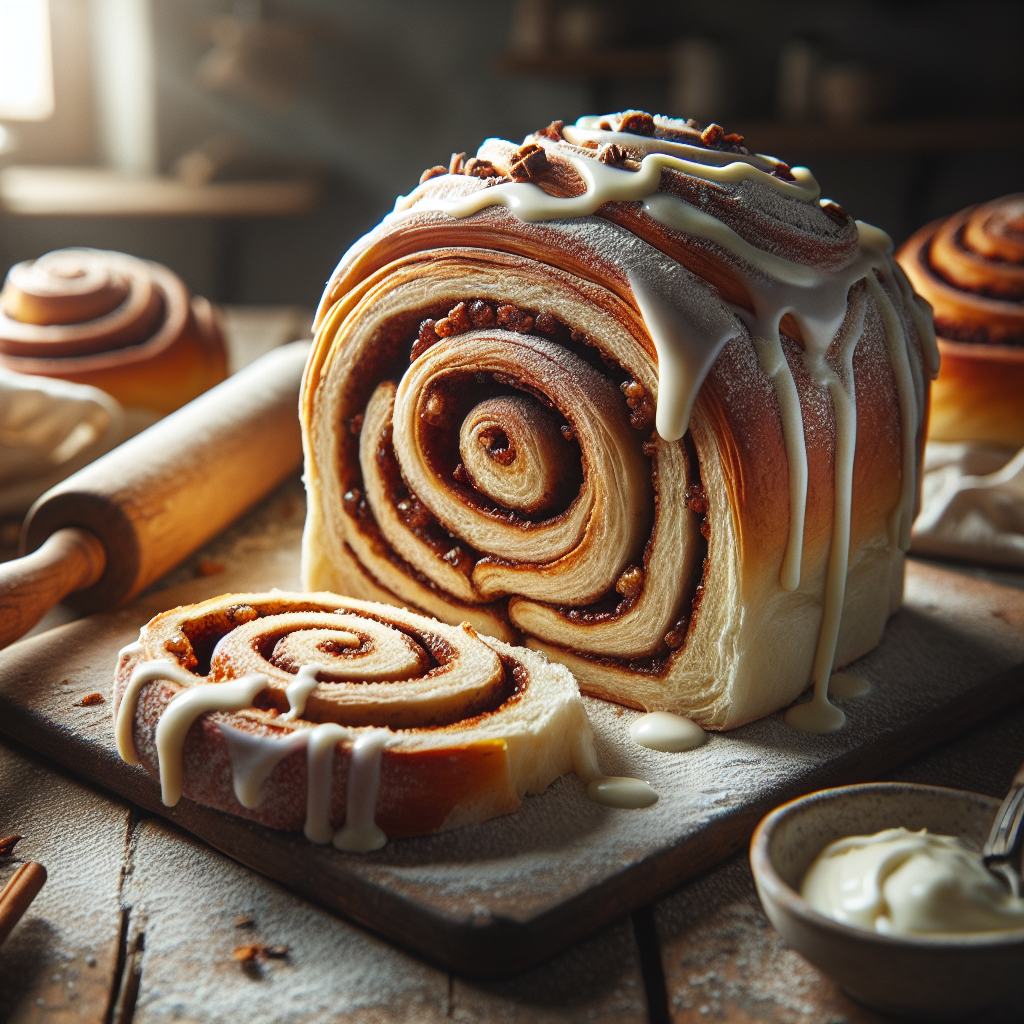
point(124, 325)
point(970, 267)
point(351, 721)
point(634, 396)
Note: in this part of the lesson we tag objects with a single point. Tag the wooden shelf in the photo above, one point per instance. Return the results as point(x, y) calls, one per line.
point(97, 191)
point(600, 65)
point(896, 138)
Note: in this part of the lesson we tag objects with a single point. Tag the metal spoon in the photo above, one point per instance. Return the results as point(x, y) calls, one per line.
point(1002, 850)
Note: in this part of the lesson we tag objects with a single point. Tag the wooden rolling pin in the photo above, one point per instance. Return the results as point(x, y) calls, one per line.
point(108, 531)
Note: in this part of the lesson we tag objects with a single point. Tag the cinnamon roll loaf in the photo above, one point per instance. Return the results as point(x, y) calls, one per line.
point(970, 267)
point(351, 721)
point(635, 397)
point(124, 325)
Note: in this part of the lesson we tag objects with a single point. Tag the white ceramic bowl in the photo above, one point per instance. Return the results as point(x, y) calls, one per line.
point(928, 978)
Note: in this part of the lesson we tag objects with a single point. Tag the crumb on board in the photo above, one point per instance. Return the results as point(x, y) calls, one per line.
point(258, 951)
point(244, 921)
point(89, 699)
point(7, 845)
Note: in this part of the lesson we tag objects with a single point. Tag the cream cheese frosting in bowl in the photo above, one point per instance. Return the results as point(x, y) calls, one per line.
point(927, 974)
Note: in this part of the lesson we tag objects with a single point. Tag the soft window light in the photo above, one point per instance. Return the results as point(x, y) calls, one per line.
point(26, 67)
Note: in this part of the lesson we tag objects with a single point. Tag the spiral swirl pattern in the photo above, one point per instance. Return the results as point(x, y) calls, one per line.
point(258, 704)
point(119, 323)
point(970, 267)
point(484, 424)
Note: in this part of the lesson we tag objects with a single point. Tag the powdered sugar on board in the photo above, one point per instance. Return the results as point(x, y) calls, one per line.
point(505, 893)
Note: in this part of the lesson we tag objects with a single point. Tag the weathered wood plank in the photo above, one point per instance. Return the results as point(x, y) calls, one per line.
point(60, 962)
point(184, 900)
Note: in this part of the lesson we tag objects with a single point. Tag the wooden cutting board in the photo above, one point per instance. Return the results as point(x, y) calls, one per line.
point(494, 898)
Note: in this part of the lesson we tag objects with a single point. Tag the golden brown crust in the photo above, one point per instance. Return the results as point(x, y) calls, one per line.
point(115, 322)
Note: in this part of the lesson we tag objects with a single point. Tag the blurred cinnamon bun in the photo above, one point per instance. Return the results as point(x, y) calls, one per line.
point(125, 325)
point(970, 267)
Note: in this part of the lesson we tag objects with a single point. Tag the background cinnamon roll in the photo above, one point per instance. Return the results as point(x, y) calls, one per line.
point(635, 396)
point(353, 722)
point(124, 325)
point(970, 267)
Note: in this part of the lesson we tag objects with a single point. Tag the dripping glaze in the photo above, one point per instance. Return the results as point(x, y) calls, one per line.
point(815, 298)
point(253, 756)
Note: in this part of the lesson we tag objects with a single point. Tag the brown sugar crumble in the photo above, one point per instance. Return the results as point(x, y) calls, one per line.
point(89, 700)
point(258, 951)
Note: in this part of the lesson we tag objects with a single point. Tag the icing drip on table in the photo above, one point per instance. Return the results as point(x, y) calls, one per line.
point(846, 686)
point(622, 792)
point(816, 299)
point(664, 731)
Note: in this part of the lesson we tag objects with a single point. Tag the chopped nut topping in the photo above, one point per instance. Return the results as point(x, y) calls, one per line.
point(631, 582)
point(432, 172)
point(567, 432)
point(456, 322)
point(7, 845)
point(611, 154)
point(480, 168)
point(355, 425)
point(89, 700)
point(529, 161)
point(637, 122)
point(639, 402)
point(553, 131)
point(455, 167)
point(834, 212)
point(712, 135)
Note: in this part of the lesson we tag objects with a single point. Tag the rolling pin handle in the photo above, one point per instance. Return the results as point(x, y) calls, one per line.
point(70, 559)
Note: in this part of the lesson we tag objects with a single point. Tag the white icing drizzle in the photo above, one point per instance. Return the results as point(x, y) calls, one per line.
point(773, 362)
point(298, 691)
point(847, 686)
point(609, 790)
point(319, 762)
point(254, 757)
point(360, 833)
point(143, 674)
point(664, 731)
point(183, 709)
point(622, 792)
point(816, 299)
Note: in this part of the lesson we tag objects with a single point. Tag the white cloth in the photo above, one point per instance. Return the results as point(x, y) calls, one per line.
point(50, 428)
point(972, 504)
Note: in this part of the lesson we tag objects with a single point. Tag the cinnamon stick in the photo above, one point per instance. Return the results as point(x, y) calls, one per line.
point(18, 893)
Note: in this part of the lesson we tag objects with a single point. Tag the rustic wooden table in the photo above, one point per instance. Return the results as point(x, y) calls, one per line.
point(140, 922)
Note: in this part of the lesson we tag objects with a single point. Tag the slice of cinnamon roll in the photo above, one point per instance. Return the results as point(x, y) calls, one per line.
point(124, 325)
point(635, 397)
point(970, 267)
point(353, 722)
